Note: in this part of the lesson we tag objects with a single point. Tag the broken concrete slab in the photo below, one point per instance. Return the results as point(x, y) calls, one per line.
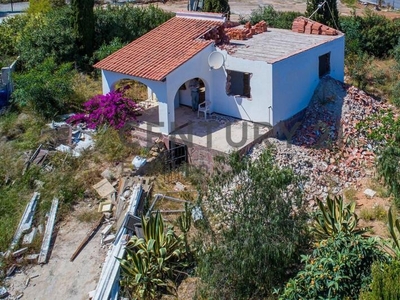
point(29, 237)
point(48, 232)
point(179, 187)
point(11, 270)
point(106, 230)
point(32, 258)
point(3, 293)
point(104, 188)
point(109, 239)
point(20, 252)
point(26, 220)
point(107, 174)
point(369, 193)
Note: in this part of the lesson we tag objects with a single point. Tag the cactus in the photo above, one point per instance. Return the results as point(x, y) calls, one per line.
point(335, 217)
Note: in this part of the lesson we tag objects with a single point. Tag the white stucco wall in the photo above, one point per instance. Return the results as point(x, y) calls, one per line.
point(254, 109)
point(295, 78)
point(278, 90)
point(195, 67)
point(157, 87)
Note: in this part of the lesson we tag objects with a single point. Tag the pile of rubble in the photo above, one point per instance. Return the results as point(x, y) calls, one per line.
point(326, 147)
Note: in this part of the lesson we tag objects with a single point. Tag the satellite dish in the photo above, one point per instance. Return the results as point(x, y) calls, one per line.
point(216, 60)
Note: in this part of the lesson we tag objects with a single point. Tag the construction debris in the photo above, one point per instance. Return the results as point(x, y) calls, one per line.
point(326, 148)
point(38, 157)
point(26, 220)
point(369, 193)
point(48, 232)
point(105, 206)
point(108, 239)
point(32, 258)
point(109, 279)
point(70, 139)
point(29, 237)
point(104, 188)
point(3, 292)
point(87, 238)
point(11, 270)
point(19, 252)
point(179, 187)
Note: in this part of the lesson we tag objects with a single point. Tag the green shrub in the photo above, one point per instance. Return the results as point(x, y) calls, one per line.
point(339, 268)
point(10, 31)
point(107, 49)
point(45, 89)
point(327, 13)
point(39, 6)
point(47, 35)
point(371, 33)
point(387, 167)
point(126, 22)
point(385, 282)
point(217, 6)
point(274, 18)
point(256, 210)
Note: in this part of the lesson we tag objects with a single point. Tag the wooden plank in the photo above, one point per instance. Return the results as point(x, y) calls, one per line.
point(87, 238)
point(44, 250)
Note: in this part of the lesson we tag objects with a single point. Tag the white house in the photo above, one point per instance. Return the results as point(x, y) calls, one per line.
point(266, 77)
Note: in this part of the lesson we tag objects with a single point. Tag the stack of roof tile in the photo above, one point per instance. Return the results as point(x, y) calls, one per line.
point(246, 32)
point(304, 25)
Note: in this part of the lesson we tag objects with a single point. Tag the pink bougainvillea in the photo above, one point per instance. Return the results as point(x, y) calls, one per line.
point(112, 109)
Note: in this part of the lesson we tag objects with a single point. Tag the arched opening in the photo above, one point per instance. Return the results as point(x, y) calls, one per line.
point(183, 96)
point(144, 97)
point(137, 91)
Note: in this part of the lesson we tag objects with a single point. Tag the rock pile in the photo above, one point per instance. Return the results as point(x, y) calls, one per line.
point(327, 148)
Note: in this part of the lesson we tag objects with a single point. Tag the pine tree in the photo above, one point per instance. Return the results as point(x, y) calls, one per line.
point(84, 25)
point(327, 13)
point(218, 6)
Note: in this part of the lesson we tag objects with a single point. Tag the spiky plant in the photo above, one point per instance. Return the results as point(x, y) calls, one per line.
point(394, 225)
point(154, 262)
point(185, 222)
point(334, 217)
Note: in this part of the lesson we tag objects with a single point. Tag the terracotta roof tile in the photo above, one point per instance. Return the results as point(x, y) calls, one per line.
point(157, 53)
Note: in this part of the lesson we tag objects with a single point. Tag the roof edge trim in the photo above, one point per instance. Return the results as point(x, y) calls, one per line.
point(218, 17)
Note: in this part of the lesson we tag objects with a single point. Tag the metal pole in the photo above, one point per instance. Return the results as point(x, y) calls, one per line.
point(12, 7)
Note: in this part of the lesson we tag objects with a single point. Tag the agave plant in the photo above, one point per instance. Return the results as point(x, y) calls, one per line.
point(185, 222)
point(393, 224)
point(153, 262)
point(335, 217)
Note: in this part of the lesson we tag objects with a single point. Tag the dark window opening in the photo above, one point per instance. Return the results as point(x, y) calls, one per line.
point(324, 64)
point(238, 84)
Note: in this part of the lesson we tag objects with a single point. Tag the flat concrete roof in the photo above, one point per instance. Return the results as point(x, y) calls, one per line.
point(277, 44)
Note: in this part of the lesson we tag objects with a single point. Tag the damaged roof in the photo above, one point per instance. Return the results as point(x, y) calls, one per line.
point(277, 44)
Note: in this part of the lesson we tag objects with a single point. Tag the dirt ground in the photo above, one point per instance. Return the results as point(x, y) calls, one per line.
point(61, 279)
point(245, 7)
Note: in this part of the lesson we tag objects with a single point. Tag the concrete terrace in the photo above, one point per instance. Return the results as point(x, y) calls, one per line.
point(219, 133)
point(277, 44)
